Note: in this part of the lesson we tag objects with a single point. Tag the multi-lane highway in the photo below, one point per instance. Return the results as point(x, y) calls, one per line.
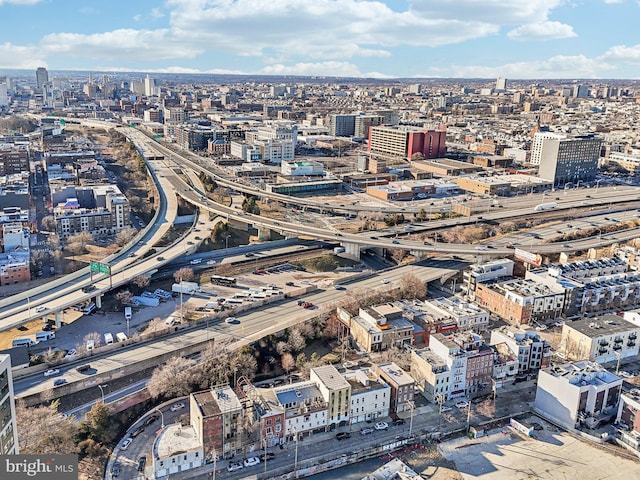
point(253, 325)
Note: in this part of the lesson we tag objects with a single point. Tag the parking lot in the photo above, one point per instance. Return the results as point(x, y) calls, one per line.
point(550, 454)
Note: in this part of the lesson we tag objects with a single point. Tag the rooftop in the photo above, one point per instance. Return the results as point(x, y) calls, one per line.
point(330, 377)
point(602, 325)
point(175, 439)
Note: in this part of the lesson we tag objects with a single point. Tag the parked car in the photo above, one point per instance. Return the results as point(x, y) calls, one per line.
point(70, 353)
point(399, 421)
point(342, 435)
point(382, 426)
point(462, 404)
point(234, 466)
point(366, 430)
point(142, 461)
point(137, 431)
point(536, 426)
point(268, 456)
point(444, 409)
point(127, 441)
point(177, 406)
point(251, 461)
point(51, 371)
point(115, 470)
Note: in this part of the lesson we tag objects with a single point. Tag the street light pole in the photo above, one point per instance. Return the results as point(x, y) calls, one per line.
point(161, 418)
point(412, 405)
point(295, 462)
point(101, 387)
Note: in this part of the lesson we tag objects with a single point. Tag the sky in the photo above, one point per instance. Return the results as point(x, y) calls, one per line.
point(516, 39)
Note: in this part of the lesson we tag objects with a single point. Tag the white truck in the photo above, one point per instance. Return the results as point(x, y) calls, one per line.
point(108, 339)
point(186, 287)
point(146, 301)
point(545, 206)
point(121, 337)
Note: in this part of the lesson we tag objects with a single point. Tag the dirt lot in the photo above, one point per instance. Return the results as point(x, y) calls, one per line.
point(551, 454)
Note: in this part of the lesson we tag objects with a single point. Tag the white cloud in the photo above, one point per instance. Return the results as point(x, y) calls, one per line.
point(136, 18)
point(19, 2)
point(124, 44)
point(622, 53)
point(173, 69)
point(614, 1)
point(156, 13)
point(16, 56)
point(559, 66)
point(330, 69)
point(542, 31)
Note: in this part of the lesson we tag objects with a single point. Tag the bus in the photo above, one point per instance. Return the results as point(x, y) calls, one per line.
point(224, 281)
point(44, 336)
point(18, 342)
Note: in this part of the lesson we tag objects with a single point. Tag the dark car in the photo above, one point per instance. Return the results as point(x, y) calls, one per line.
point(268, 456)
point(142, 461)
point(115, 470)
point(395, 241)
point(151, 419)
point(343, 435)
point(399, 421)
point(536, 426)
point(83, 368)
point(88, 288)
point(137, 431)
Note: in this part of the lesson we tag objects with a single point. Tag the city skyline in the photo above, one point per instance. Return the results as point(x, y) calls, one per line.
point(516, 39)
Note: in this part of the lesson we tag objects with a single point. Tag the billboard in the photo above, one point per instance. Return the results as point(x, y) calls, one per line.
point(528, 257)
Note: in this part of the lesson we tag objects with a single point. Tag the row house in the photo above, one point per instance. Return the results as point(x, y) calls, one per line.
point(305, 409)
point(380, 327)
point(578, 393)
point(629, 415)
point(500, 268)
point(426, 321)
point(521, 301)
point(336, 391)
point(531, 351)
point(611, 291)
point(602, 339)
point(217, 416)
point(402, 386)
point(370, 395)
point(466, 315)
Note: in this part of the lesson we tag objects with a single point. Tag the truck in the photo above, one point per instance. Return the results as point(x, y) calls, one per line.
point(108, 339)
point(127, 313)
point(146, 301)
point(162, 293)
point(186, 287)
point(89, 308)
point(545, 206)
point(121, 337)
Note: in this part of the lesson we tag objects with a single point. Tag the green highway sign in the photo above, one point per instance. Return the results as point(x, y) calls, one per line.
point(97, 267)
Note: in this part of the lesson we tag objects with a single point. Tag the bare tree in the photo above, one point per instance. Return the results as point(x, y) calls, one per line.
point(287, 362)
point(48, 223)
point(173, 379)
point(412, 287)
point(141, 281)
point(93, 336)
point(78, 243)
point(282, 347)
point(185, 274)
point(42, 430)
point(124, 296)
point(156, 325)
point(125, 236)
point(296, 341)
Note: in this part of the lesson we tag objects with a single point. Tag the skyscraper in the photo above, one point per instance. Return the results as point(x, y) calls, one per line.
point(8, 428)
point(149, 86)
point(42, 76)
point(342, 125)
point(501, 84)
point(569, 159)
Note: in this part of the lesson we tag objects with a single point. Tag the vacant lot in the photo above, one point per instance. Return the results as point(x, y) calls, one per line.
point(552, 454)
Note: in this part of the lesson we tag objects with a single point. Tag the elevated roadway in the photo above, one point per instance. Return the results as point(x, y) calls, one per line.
point(252, 326)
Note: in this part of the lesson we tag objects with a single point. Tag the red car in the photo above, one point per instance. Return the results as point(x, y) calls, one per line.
point(306, 305)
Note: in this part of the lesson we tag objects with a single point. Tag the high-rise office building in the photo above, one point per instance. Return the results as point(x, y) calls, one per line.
point(8, 428)
point(501, 84)
point(407, 141)
point(569, 159)
point(149, 86)
point(342, 125)
point(42, 76)
point(4, 97)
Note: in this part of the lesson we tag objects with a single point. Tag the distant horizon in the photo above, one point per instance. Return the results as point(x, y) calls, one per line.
point(368, 39)
point(143, 73)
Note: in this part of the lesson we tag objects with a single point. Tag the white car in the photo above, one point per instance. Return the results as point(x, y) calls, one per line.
point(126, 443)
point(70, 353)
point(251, 461)
point(195, 261)
point(234, 466)
point(385, 281)
point(231, 320)
point(52, 371)
point(211, 262)
point(177, 406)
point(381, 425)
point(444, 408)
point(462, 404)
point(40, 308)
